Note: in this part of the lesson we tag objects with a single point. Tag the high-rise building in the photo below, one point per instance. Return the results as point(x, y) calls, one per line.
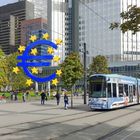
point(95, 17)
point(72, 26)
point(11, 16)
point(36, 27)
point(30, 27)
point(40, 8)
point(58, 25)
point(54, 12)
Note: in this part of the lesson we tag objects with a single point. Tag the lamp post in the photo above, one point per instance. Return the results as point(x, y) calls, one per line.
point(85, 75)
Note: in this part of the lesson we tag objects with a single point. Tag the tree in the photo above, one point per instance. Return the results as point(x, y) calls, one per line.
point(99, 65)
point(131, 20)
point(72, 70)
point(16, 81)
point(3, 69)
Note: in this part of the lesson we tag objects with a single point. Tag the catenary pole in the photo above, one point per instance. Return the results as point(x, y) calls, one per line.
point(85, 76)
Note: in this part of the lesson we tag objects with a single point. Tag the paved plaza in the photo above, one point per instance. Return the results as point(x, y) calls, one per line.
point(32, 121)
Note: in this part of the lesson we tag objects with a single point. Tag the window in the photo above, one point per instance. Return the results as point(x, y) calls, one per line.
point(134, 90)
point(126, 89)
point(120, 90)
point(114, 90)
point(109, 90)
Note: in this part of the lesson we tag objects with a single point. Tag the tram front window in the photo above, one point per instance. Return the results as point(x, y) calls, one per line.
point(97, 87)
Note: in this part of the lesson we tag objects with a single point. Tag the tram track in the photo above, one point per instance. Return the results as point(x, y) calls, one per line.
point(47, 119)
point(104, 137)
point(67, 120)
point(51, 118)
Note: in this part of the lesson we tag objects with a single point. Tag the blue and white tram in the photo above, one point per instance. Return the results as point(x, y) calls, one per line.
point(109, 91)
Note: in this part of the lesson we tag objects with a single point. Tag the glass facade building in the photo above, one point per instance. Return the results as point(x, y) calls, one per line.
point(95, 17)
point(36, 27)
point(54, 12)
point(58, 26)
point(40, 8)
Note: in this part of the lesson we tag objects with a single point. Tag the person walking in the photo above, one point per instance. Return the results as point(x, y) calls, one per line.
point(66, 101)
point(27, 95)
point(12, 94)
point(16, 95)
point(57, 98)
point(24, 96)
point(43, 97)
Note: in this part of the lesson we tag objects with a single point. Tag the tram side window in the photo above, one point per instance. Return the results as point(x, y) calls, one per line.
point(134, 89)
point(109, 89)
point(126, 89)
point(120, 90)
point(114, 90)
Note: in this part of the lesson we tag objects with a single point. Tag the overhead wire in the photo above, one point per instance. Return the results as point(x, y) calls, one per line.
point(97, 14)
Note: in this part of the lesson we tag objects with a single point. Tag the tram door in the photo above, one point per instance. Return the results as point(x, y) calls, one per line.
point(130, 93)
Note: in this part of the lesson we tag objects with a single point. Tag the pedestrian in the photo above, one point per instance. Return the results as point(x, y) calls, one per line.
point(16, 95)
point(27, 95)
point(24, 96)
point(12, 94)
point(57, 98)
point(43, 97)
point(66, 101)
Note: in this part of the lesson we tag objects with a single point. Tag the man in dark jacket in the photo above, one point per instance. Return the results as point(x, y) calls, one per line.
point(43, 97)
point(57, 98)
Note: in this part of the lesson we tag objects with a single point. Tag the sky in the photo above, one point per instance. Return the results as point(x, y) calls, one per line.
point(4, 2)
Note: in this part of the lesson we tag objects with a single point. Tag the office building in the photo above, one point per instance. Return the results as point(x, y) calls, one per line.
point(30, 27)
point(40, 8)
point(11, 16)
point(36, 27)
point(58, 25)
point(54, 12)
point(95, 17)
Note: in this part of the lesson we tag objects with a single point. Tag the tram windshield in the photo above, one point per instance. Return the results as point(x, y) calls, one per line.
point(97, 87)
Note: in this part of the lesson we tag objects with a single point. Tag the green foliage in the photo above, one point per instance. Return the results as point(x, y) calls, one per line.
point(131, 20)
point(72, 70)
point(1, 54)
point(7, 77)
point(3, 69)
point(99, 65)
point(17, 81)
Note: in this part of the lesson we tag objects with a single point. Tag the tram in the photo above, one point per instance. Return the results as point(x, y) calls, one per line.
point(110, 91)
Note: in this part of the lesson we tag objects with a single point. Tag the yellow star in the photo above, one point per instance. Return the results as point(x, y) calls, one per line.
point(33, 38)
point(50, 50)
point(46, 36)
point(58, 72)
point(55, 82)
point(15, 70)
point(21, 48)
point(34, 51)
point(56, 58)
point(29, 82)
point(34, 70)
point(58, 41)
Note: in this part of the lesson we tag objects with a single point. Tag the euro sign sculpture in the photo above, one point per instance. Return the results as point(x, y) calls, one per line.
point(26, 60)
